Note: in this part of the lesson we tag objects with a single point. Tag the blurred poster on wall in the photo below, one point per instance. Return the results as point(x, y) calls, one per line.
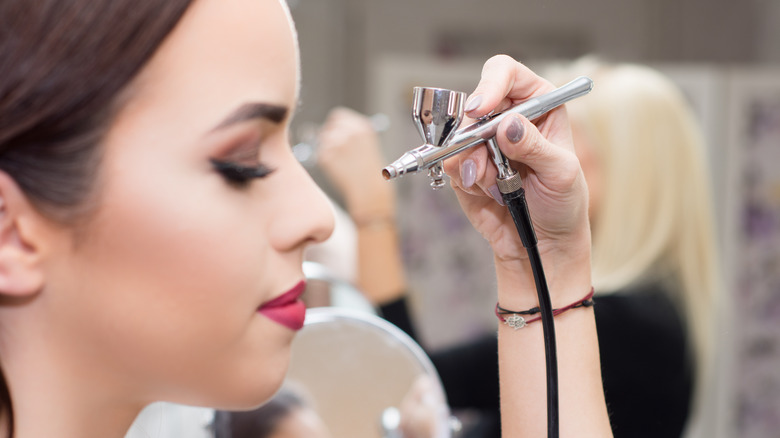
point(754, 108)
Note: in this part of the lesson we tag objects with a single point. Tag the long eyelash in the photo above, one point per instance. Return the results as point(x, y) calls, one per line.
point(239, 174)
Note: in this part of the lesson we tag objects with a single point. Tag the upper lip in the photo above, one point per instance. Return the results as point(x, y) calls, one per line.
point(286, 298)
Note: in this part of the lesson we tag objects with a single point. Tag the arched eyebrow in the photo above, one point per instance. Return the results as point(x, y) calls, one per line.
point(249, 111)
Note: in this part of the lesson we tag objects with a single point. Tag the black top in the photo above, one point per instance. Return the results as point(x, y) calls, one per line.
point(644, 361)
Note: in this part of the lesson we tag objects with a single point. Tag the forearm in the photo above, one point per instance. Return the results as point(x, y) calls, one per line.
point(522, 367)
point(380, 266)
point(557, 197)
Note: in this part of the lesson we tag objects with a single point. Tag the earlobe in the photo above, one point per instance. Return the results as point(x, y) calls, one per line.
point(21, 272)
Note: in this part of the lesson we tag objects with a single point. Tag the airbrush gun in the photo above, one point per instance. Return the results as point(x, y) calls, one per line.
point(438, 112)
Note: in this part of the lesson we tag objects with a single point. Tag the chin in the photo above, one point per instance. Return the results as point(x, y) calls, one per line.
point(245, 397)
point(248, 390)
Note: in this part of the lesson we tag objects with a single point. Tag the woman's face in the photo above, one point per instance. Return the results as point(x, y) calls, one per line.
point(160, 291)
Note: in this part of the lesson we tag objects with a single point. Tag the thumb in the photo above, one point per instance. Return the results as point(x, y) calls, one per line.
point(520, 140)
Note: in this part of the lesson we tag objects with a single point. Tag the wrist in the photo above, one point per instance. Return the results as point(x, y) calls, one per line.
point(567, 270)
point(518, 319)
point(381, 222)
point(371, 209)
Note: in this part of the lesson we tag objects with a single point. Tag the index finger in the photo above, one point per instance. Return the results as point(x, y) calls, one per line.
point(503, 77)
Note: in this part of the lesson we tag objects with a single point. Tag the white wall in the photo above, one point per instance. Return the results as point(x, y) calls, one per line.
point(341, 39)
point(768, 36)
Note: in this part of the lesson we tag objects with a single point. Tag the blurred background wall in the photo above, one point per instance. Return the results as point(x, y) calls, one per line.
point(340, 39)
point(725, 55)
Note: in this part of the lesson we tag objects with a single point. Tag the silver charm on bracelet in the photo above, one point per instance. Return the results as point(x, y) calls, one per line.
point(515, 321)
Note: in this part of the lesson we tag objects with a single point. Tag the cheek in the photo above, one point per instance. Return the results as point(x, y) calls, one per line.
point(191, 248)
point(176, 273)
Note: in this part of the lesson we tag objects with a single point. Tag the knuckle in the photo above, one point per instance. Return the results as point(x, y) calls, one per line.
point(498, 60)
point(451, 169)
point(569, 168)
point(536, 145)
point(531, 146)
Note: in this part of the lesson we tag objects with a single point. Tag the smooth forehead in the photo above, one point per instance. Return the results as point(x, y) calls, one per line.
point(222, 54)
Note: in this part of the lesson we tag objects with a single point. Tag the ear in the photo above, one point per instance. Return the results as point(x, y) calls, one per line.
point(20, 259)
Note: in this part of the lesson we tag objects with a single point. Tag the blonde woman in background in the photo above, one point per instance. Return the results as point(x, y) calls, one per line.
point(654, 250)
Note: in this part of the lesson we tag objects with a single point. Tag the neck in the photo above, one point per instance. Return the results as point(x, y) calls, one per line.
point(57, 393)
point(52, 405)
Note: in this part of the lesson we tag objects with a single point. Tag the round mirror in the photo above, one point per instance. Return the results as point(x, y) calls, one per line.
point(326, 289)
point(362, 372)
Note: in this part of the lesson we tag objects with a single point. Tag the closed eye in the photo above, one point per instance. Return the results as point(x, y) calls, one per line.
point(240, 174)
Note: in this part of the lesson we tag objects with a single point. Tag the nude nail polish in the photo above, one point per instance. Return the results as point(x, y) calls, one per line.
point(468, 173)
point(496, 194)
point(473, 103)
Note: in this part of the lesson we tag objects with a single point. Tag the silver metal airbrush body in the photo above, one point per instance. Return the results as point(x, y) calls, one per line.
point(440, 143)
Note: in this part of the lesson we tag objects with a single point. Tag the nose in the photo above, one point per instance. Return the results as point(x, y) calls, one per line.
point(305, 214)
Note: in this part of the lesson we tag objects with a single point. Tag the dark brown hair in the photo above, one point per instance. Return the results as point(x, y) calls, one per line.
point(63, 66)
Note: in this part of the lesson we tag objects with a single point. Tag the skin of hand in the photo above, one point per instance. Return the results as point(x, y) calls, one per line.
point(543, 153)
point(349, 154)
point(556, 192)
point(423, 410)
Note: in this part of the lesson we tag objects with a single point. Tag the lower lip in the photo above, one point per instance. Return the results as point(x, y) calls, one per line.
point(288, 310)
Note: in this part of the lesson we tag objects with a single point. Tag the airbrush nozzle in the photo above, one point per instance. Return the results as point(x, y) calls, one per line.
point(427, 155)
point(389, 172)
point(420, 158)
point(413, 161)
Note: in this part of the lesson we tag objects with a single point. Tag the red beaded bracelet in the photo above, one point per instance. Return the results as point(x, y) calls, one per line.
point(516, 321)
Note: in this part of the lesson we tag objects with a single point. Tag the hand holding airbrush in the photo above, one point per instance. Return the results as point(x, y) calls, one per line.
point(437, 112)
point(557, 195)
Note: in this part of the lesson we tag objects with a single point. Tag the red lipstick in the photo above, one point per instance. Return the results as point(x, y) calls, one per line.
point(287, 309)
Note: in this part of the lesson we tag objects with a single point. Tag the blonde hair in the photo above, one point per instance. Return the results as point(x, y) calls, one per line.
point(655, 219)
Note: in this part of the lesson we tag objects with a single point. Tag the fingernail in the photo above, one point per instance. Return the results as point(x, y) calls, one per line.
point(473, 103)
point(515, 130)
point(468, 173)
point(496, 194)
